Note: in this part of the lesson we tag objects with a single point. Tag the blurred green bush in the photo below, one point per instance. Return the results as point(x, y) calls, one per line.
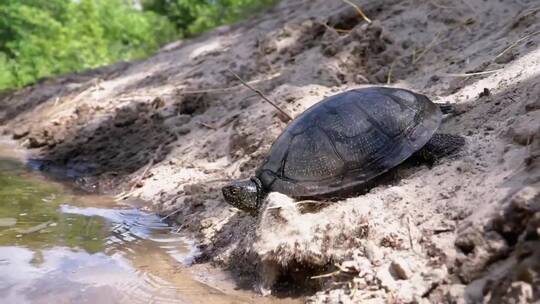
point(40, 38)
point(192, 17)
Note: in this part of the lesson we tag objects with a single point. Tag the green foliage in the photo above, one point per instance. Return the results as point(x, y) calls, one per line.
point(39, 38)
point(195, 16)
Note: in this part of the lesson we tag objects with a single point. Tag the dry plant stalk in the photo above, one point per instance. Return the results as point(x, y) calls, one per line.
point(470, 74)
point(427, 48)
point(516, 43)
point(335, 29)
point(340, 270)
point(261, 94)
point(225, 89)
point(389, 79)
point(206, 125)
point(359, 10)
point(473, 10)
point(124, 195)
point(170, 214)
point(530, 12)
point(326, 275)
point(434, 3)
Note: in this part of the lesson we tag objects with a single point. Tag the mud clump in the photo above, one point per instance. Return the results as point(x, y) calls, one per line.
point(479, 250)
point(368, 49)
point(514, 233)
point(194, 104)
point(20, 132)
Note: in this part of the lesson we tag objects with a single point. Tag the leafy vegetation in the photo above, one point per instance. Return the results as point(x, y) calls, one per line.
point(192, 17)
point(40, 38)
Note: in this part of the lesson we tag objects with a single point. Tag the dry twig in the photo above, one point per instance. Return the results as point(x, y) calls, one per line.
point(334, 29)
point(287, 116)
point(529, 12)
point(340, 269)
point(389, 78)
point(206, 125)
point(326, 275)
point(473, 10)
point(231, 88)
point(170, 214)
point(516, 43)
point(411, 243)
point(427, 48)
point(470, 74)
point(359, 10)
point(125, 195)
point(434, 3)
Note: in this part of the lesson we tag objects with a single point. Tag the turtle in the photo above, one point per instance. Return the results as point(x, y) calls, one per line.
point(343, 142)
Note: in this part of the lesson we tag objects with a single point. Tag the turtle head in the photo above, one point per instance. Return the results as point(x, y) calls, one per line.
point(245, 194)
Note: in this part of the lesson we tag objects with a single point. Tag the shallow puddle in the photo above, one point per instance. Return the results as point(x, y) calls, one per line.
point(59, 246)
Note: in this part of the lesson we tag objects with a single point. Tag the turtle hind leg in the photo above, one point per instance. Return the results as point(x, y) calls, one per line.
point(439, 146)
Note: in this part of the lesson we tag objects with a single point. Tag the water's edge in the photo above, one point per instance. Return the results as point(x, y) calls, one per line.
point(60, 245)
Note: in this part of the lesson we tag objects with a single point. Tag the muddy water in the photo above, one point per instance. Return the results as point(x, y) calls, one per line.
point(57, 246)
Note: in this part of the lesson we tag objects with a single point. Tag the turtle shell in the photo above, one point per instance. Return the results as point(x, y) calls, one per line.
point(347, 139)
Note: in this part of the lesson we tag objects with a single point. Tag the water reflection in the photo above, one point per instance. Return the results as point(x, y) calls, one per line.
point(32, 208)
point(131, 229)
point(57, 246)
point(55, 252)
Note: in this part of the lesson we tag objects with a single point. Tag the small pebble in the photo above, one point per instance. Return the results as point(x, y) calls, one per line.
point(401, 269)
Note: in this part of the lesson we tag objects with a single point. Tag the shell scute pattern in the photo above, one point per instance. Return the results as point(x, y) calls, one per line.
point(347, 139)
point(313, 158)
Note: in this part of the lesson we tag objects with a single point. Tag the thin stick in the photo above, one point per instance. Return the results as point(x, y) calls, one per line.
point(427, 48)
point(150, 164)
point(409, 232)
point(530, 12)
point(466, 2)
point(335, 29)
point(124, 195)
point(516, 43)
point(470, 74)
point(353, 293)
point(289, 118)
point(357, 8)
point(389, 79)
point(231, 88)
point(206, 125)
point(170, 214)
point(439, 5)
point(326, 275)
point(343, 269)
